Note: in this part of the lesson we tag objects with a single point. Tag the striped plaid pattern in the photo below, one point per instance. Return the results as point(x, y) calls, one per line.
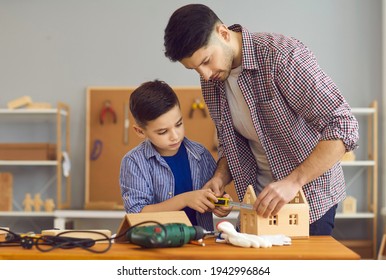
point(146, 178)
point(293, 105)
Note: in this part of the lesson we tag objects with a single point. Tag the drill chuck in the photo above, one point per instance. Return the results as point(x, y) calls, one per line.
point(163, 236)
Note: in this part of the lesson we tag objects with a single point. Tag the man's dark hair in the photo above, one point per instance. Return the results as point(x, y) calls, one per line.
point(189, 29)
point(150, 100)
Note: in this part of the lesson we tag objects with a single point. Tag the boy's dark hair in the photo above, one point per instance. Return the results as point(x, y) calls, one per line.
point(189, 29)
point(150, 100)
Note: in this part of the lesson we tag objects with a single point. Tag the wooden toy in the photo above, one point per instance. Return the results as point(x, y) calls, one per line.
point(49, 205)
point(6, 190)
point(3, 233)
point(38, 202)
point(349, 205)
point(292, 220)
point(382, 249)
point(39, 105)
point(349, 156)
point(19, 102)
point(28, 202)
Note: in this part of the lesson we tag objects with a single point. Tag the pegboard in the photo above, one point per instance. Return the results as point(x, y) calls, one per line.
point(109, 138)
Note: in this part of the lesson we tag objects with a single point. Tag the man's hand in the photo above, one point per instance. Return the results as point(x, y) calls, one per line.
point(216, 186)
point(274, 196)
point(220, 179)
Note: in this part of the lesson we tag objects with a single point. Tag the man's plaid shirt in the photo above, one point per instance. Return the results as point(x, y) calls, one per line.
point(293, 105)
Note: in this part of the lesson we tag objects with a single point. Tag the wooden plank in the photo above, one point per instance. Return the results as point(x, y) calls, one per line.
point(6, 191)
point(19, 102)
point(382, 249)
point(130, 220)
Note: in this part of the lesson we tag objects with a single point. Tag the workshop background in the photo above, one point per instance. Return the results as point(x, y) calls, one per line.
point(53, 50)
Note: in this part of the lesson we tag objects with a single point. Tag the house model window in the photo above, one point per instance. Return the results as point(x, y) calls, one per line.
point(293, 219)
point(272, 220)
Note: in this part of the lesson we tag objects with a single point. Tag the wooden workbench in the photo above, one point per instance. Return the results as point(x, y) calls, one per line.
point(313, 248)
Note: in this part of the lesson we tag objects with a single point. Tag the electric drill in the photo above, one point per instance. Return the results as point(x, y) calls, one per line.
point(167, 235)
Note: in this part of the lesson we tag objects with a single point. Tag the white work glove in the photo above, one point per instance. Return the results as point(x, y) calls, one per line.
point(233, 237)
point(230, 235)
point(277, 239)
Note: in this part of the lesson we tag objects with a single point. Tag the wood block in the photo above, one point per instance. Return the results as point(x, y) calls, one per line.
point(382, 249)
point(102, 205)
point(6, 191)
point(19, 102)
point(349, 156)
point(3, 233)
point(92, 234)
point(27, 151)
point(40, 105)
point(349, 205)
point(130, 220)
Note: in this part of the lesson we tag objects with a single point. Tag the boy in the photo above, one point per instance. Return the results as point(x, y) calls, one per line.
point(166, 171)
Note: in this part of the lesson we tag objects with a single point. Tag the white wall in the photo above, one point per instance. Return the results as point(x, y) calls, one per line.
point(53, 50)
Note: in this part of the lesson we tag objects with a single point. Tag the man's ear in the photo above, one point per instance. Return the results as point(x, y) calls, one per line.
point(139, 131)
point(223, 32)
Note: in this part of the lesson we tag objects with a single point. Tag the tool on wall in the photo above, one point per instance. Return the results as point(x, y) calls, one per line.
point(126, 124)
point(66, 164)
point(96, 149)
point(107, 108)
point(197, 105)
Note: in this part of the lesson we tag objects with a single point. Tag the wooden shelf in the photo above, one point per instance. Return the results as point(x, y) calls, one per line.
point(366, 247)
point(29, 162)
point(360, 215)
point(60, 119)
point(52, 111)
point(364, 110)
point(26, 214)
point(31, 115)
point(358, 163)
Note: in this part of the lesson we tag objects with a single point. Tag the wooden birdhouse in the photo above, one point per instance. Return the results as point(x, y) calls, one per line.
point(292, 220)
point(349, 205)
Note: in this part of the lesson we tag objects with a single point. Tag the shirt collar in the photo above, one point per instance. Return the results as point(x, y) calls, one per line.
point(149, 150)
point(249, 60)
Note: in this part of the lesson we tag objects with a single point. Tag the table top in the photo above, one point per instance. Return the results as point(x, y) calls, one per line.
point(313, 248)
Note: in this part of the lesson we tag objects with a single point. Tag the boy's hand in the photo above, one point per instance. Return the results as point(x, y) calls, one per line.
point(200, 200)
point(223, 211)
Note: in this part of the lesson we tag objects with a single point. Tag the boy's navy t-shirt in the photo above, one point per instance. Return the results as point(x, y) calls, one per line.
point(179, 164)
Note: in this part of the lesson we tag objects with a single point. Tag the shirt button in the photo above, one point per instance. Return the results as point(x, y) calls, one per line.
point(170, 193)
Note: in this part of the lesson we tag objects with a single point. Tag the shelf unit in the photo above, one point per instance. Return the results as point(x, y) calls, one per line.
point(366, 246)
point(61, 117)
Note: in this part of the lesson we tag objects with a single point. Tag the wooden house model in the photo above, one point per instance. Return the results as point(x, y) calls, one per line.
point(349, 205)
point(292, 220)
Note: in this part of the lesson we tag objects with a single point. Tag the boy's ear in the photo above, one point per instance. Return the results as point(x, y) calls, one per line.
point(139, 131)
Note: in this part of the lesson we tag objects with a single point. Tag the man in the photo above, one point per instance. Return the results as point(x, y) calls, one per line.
point(282, 123)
